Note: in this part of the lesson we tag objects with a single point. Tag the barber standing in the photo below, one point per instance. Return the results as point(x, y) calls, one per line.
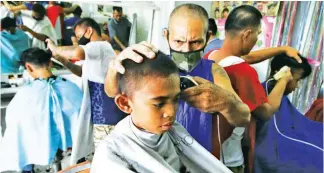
point(119, 29)
point(200, 106)
point(97, 108)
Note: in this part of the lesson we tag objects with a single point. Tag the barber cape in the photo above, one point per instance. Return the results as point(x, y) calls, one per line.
point(12, 45)
point(289, 142)
point(40, 119)
point(43, 27)
point(128, 149)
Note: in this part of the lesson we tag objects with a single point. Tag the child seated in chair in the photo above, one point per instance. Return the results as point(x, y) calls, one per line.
point(289, 141)
point(42, 118)
point(149, 139)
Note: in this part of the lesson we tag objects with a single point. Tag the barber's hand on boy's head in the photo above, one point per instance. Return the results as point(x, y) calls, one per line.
point(292, 52)
point(133, 52)
point(207, 96)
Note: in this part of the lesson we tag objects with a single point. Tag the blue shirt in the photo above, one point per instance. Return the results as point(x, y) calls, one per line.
point(212, 45)
point(197, 123)
point(121, 30)
point(68, 29)
point(103, 108)
point(29, 5)
point(68, 23)
point(12, 45)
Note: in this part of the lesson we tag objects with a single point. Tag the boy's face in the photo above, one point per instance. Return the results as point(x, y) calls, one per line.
point(293, 84)
point(154, 105)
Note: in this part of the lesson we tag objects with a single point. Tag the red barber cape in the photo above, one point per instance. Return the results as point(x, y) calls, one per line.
point(246, 84)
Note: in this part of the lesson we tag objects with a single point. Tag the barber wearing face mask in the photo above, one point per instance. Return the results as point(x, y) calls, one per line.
point(37, 26)
point(199, 106)
point(13, 42)
point(97, 108)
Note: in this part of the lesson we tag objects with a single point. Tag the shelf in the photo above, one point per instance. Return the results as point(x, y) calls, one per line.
point(135, 4)
point(14, 90)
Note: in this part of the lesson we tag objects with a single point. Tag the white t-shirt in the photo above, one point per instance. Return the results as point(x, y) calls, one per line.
point(5, 12)
point(232, 148)
point(57, 28)
point(98, 54)
point(43, 27)
point(94, 68)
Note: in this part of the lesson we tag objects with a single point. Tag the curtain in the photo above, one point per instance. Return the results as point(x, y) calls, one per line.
point(300, 25)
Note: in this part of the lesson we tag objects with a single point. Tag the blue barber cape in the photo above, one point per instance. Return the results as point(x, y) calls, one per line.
point(12, 45)
point(277, 154)
point(40, 119)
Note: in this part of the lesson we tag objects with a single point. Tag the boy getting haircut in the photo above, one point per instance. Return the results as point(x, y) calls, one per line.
point(289, 133)
point(149, 139)
point(161, 66)
point(299, 71)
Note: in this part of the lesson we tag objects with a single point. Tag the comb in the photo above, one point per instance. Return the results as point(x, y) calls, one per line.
point(313, 62)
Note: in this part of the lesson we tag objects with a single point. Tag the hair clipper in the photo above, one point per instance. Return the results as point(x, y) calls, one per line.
point(281, 73)
point(187, 82)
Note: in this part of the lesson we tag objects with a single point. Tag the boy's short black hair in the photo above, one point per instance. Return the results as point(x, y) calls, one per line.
point(212, 27)
point(136, 73)
point(283, 60)
point(40, 9)
point(118, 9)
point(36, 56)
point(88, 22)
point(7, 23)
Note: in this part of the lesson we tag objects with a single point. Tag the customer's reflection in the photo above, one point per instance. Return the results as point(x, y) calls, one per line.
point(13, 42)
point(41, 119)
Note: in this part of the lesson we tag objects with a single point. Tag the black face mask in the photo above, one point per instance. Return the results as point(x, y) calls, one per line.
point(38, 18)
point(83, 40)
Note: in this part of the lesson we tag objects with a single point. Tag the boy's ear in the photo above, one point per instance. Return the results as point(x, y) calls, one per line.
point(122, 102)
point(29, 67)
